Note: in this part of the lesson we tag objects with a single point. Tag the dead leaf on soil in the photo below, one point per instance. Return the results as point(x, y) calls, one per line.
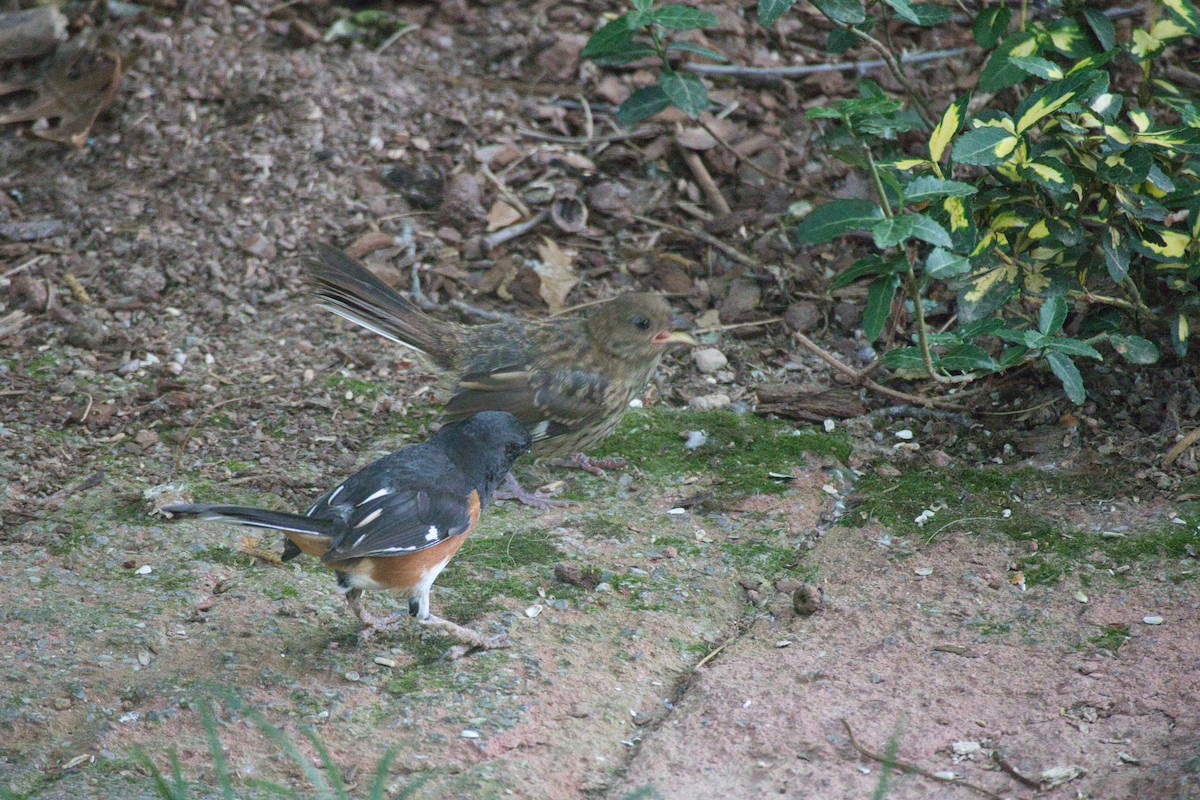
point(556, 274)
point(74, 91)
point(501, 215)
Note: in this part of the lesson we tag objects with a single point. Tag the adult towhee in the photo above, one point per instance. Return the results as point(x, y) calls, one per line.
point(568, 379)
point(398, 521)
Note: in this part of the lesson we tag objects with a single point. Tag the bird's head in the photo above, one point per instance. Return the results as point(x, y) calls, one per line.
point(486, 444)
point(635, 325)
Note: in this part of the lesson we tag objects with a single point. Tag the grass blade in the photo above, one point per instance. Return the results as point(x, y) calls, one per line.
point(214, 747)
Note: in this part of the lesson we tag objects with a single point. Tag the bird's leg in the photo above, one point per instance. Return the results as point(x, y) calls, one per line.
point(519, 493)
point(466, 635)
point(596, 466)
point(371, 622)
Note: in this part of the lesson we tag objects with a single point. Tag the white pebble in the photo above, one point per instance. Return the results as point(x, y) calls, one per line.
point(945, 775)
point(905, 434)
point(923, 571)
point(677, 511)
point(966, 748)
point(830, 425)
point(144, 569)
point(695, 439)
point(470, 734)
point(1081, 597)
point(709, 359)
point(709, 402)
point(636, 403)
point(534, 610)
point(384, 661)
point(1006, 513)
point(1154, 620)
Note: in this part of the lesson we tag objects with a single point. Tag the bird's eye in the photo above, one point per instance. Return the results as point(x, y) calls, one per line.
point(641, 323)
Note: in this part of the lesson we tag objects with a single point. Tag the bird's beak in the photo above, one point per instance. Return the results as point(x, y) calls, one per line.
point(674, 337)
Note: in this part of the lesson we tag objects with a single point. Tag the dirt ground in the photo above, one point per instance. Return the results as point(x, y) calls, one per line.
point(1004, 598)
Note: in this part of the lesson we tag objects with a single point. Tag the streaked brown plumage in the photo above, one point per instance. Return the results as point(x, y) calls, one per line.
point(569, 379)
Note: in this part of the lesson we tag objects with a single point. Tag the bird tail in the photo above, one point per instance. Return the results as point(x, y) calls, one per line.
point(351, 291)
point(313, 536)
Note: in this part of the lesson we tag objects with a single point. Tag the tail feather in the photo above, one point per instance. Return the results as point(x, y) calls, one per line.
point(351, 291)
point(256, 517)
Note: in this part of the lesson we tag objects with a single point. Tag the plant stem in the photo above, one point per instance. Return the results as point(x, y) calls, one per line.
point(897, 71)
point(874, 170)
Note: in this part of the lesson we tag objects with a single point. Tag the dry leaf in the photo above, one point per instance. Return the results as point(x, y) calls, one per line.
point(569, 214)
point(74, 92)
point(501, 215)
point(695, 139)
point(556, 274)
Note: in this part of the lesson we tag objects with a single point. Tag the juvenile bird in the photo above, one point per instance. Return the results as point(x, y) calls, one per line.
point(569, 380)
point(397, 522)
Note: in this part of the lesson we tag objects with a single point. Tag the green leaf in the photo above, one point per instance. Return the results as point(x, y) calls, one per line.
point(998, 72)
point(683, 18)
point(927, 187)
point(1135, 349)
point(1048, 172)
point(1050, 98)
point(839, 41)
point(642, 5)
point(1068, 373)
point(1011, 357)
point(1072, 347)
point(843, 12)
point(1114, 244)
point(688, 47)
point(879, 305)
point(835, 218)
point(645, 102)
point(614, 36)
point(931, 13)
point(871, 265)
point(686, 91)
point(1126, 168)
point(1052, 315)
point(1036, 65)
point(991, 24)
point(928, 230)
point(618, 56)
point(769, 11)
point(1068, 38)
point(942, 264)
point(948, 127)
point(988, 288)
point(904, 11)
point(908, 359)
point(968, 357)
point(1102, 27)
point(1185, 13)
point(986, 146)
point(892, 230)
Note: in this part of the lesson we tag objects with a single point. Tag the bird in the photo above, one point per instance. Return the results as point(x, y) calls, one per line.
point(397, 522)
point(568, 379)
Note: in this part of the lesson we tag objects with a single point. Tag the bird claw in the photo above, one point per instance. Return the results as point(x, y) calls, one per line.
point(595, 466)
point(516, 491)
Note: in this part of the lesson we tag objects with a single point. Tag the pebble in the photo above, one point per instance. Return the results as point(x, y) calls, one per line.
point(144, 569)
point(905, 434)
point(829, 425)
point(709, 359)
point(923, 571)
point(709, 402)
point(1153, 620)
point(1081, 597)
point(966, 748)
point(534, 610)
point(384, 661)
point(470, 733)
point(352, 676)
point(695, 440)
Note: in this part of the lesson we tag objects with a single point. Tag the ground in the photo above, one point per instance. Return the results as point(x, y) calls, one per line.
point(1005, 598)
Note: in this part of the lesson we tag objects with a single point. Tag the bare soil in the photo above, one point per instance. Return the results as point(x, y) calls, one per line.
point(193, 365)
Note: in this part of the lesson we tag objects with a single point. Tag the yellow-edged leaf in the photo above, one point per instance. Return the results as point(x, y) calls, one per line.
point(1065, 38)
point(1002, 122)
point(1144, 44)
point(1167, 29)
point(1140, 119)
point(1039, 230)
point(1186, 12)
point(1008, 219)
point(1004, 147)
point(905, 164)
point(949, 125)
point(1005, 273)
point(1040, 108)
point(1174, 244)
point(1103, 103)
point(1117, 134)
point(956, 211)
point(1026, 48)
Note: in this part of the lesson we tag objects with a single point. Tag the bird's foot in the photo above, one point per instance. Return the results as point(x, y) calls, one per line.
point(468, 639)
point(372, 623)
point(596, 466)
point(522, 495)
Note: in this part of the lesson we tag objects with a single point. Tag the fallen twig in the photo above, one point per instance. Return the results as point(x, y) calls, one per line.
point(77, 290)
point(640, 133)
point(1180, 446)
point(860, 376)
point(797, 71)
point(494, 240)
point(908, 766)
point(703, 236)
point(711, 191)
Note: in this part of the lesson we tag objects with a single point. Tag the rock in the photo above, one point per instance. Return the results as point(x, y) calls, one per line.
point(463, 203)
point(803, 316)
point(88, 333)
point(848, 315)
point(709, 359)
point(742, 298)
point(709, 402)
point(807, 599)
point(142, 282)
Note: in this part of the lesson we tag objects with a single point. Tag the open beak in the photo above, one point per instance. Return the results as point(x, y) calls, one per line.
point(674, 337)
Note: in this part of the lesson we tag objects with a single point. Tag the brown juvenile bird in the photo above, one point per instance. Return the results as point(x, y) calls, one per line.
point(569, 380)
point(397, 522)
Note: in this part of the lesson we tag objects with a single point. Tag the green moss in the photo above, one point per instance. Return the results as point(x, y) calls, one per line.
point(767, 556)
point(503, 565)
point(360, 387)
point(219, 554)
point(741, 449)
point(1110, 638)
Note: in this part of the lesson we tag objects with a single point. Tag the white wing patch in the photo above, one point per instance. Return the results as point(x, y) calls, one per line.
point(432, 536)
point(336, 492)
point(376, 496)
point(539, 431)
point(369, 518)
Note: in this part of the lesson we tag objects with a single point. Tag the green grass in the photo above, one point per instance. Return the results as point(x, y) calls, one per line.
point(510, 563)
point(741, 450)
point(977, 499)
point(1110, 638)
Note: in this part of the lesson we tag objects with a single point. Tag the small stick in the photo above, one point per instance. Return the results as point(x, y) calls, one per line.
point(736, 325)
point(640, 133)
point(707, 184)
point(512, 199)
point(494, 240)
point(860, 377)
point(908, 766)
point(703, 236)
point(80, 293)
point(799, 71)
point(1183, 444)
point(741, 159)
point(713, 654)
point(1004, 764)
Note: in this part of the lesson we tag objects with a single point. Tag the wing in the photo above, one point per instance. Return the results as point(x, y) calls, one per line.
point(394, 522)
point(548, 403)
